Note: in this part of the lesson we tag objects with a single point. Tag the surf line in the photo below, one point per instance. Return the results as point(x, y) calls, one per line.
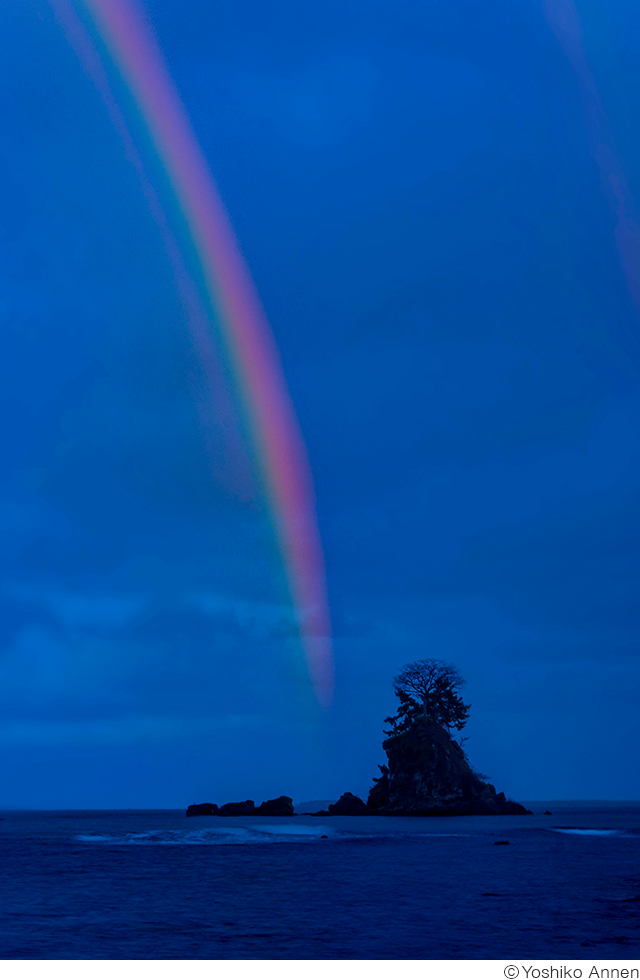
point(138, 59)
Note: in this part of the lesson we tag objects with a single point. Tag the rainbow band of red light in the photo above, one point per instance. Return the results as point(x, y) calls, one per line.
point(249, 340)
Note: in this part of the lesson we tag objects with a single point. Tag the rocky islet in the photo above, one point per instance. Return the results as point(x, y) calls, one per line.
point(428, 774)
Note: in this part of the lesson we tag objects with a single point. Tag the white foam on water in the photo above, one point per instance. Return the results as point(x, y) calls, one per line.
point(445, 835)
point(298, 830)
point(254, 834)
point(210, 835)
point(585, 831)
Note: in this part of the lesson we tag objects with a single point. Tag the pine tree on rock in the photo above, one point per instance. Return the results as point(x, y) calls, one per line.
point(428, 689)
point(427, 771)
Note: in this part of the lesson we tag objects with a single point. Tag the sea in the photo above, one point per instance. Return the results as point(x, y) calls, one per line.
point(154, 884)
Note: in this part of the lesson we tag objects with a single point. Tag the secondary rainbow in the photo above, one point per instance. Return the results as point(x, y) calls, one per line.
point(564, 19)
point(249, 340)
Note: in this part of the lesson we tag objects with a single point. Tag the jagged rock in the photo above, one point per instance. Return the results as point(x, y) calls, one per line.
point(245, 809)
point(379, 793)
point(348, 806)
point(428, 775)
point(281, 807)
point(202, 810)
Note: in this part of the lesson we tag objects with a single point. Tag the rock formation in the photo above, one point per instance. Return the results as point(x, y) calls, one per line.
point(281, 807)
point(202, 810)
point(428, 775)
point(348, 806)
point(245, 809)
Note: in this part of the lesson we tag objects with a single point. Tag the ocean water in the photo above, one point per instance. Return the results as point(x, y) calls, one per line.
point(157, 885)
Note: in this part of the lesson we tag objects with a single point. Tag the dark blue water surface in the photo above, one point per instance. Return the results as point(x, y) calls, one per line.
point(154, 884)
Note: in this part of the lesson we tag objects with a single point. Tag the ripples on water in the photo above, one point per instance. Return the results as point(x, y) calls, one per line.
point(93, 885)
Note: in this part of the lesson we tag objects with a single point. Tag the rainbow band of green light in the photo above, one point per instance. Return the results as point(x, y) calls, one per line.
point(251, 346)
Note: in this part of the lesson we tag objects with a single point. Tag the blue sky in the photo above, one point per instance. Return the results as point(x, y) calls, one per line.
point(414, 188)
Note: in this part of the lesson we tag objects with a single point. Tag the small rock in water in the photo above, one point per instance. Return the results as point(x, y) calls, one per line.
point(496, 842)
point(202, 810)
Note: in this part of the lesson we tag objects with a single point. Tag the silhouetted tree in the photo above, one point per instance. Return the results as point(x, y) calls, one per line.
point(428, 688)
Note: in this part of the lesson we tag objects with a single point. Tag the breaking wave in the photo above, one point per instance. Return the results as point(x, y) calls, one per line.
point(586, 832)
point(224, 834)
point(212, 835)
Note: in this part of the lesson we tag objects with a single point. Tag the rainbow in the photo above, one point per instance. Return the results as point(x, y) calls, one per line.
point(230, 293)
point(565, 22)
